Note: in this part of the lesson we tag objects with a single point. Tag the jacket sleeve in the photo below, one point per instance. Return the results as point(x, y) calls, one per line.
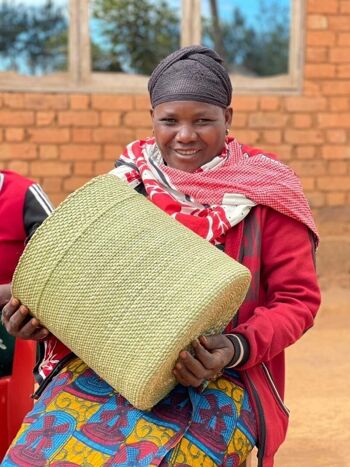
point(289, 282)
point(37, 207)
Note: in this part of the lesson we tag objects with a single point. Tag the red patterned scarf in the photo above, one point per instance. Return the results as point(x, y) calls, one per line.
point(221, 193)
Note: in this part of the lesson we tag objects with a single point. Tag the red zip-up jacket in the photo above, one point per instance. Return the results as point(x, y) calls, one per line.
point(280, 307)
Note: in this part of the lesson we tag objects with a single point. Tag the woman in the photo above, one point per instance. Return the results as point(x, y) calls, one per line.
point(230, 392)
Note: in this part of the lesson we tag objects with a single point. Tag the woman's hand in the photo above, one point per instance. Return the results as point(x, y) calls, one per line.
point(5, 294)
point(18, 322)
point(212, 354)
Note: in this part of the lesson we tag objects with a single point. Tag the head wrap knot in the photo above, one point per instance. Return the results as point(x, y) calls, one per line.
point(192, 73)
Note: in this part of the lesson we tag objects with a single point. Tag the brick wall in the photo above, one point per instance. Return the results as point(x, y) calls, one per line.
point(63, 140)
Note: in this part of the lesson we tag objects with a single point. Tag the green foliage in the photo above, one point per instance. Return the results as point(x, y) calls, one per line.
point(34, 38)
point(262, 50)
point(136, 34)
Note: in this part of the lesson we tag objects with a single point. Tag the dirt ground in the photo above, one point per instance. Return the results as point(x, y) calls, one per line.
point(318, 390)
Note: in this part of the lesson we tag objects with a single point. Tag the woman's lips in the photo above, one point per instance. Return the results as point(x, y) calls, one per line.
point(186, 152)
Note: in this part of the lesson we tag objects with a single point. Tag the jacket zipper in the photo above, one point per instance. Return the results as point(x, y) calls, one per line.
point(261, 424)
point(274, 390)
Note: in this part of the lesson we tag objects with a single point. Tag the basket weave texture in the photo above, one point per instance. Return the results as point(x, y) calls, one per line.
point(126, 287)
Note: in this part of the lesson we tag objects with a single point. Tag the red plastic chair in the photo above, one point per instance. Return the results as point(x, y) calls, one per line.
point(15, 392)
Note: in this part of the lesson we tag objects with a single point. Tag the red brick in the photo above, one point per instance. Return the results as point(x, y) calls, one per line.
point(73, 183)
point(336, 152)
point(48, 151)
point(308, 168)
point(113, 135)
point(343, 71)
point(137, 119)
point(317, 22)
point(110, 118)
point(334, 120)
point(245, 103)
point(267, 120)
point(19, 166)
point(112, 102)
point(305, 136)
point(14, 135)
point(338, 168)
point(312, 88)
point(16, 118)
point(340, 54)
point(344, 39)
point(321, 38)
point(345, 6)
point(49, 168)
point(57, 198)
point(335, 199)
point(52, 184)
point(282, 151)
point(83, 168)
point(305, 104)
point(39, 101)
point(339, 23)
point(22, 151)
point(308, 183)
point(79, 101)
point(336, 88)
point(302, 120)
point(81, 135)
point(320, 71)
point(112, 152)
point(305, 152)
point(316, 54)
point(13, 100)
point(269, 103)
point(322, 6)
point(103, 167)
point(142, 133)
point(272, 136)
point(334, 183)
point(316, 199)
point(80, 152)
point(339, 104)
point(247, 136)
point(239, 120)
point(336, 136)
point(45, 118)
point(78, 119)
point(49, 135)
point(142, 102)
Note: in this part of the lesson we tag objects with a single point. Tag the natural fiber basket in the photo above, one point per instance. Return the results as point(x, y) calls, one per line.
point(126, 287)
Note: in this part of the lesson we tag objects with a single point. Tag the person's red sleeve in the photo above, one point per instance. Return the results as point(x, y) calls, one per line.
point(292, 292)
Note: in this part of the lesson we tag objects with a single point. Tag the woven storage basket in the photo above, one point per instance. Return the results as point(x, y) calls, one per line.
point(126, 287)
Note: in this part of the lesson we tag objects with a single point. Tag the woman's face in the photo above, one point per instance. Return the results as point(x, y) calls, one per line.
point(189, 134)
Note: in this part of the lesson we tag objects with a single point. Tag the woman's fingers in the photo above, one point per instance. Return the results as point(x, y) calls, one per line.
point(19, 323)
point(184, 376)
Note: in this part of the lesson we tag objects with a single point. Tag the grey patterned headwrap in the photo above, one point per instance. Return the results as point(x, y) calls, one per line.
point(192, 73)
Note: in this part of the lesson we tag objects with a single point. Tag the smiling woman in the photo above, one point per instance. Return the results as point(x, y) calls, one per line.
point(230, 385)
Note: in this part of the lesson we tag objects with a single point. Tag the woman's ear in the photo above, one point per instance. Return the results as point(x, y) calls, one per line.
point(228, 116)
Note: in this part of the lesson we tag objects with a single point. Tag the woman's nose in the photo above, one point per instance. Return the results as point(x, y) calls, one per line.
point(186, 134)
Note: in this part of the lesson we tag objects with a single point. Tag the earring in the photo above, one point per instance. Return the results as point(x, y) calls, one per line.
point(227, 131)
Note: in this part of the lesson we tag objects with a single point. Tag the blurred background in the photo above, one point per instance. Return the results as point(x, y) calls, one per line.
point(73, 92)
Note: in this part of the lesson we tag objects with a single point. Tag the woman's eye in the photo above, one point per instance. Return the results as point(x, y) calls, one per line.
point(168, 121)
point(203, 121)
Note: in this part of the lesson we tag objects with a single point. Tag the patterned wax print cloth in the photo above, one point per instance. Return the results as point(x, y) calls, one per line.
point(81, 421)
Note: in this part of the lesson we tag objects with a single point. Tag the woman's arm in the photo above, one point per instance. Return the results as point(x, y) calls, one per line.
point(292, 293)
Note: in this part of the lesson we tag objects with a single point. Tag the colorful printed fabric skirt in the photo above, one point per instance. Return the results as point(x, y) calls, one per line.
point(81, 421)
